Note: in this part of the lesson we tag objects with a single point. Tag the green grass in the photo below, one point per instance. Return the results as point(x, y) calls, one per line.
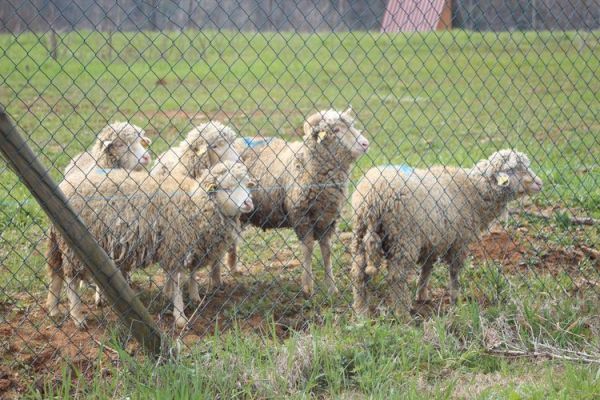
point(422, 99)
point(380, 360)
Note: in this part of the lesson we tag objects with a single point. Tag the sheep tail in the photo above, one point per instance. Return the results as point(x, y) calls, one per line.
point(366, 245)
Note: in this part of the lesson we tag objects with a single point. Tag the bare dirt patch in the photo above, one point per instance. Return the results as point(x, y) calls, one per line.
point(520, 255)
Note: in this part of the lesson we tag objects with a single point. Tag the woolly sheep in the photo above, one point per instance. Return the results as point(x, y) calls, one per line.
point(119, 145)
point(302, 185)
point(416, 218)
point(178, 222)
point(204, 146)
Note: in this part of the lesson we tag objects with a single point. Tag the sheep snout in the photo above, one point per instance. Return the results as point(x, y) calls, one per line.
point(247, 206)
point(536, 185)
point(361, 146)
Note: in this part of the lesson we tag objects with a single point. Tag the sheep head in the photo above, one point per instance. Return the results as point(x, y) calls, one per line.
point(206, 145)
point(125, 143)
point(228, 183)
point(509, 172)
point(332, 127)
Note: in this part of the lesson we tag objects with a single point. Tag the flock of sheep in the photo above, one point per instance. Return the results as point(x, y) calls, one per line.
point(188, 210)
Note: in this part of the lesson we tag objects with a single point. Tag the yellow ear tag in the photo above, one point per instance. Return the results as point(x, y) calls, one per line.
point(502, 180)
point(201, 150)
point(211, 188)
point(321, 136)
point(146, 142)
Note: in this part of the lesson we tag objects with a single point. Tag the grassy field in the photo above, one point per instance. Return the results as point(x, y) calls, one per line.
point(531, 295)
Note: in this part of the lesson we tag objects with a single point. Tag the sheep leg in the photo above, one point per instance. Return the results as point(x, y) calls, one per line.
point(359, 280)
point(98, 298)
point(307, 274)
point(325, 244)
point(75, 309)
point(178, 307)
point(56, 283)
point(168, 287)
point(193, 289)
point(232, 254)
point(398, 286)
point(455, 265)
point(422, 290)
point(232, 260)
point(214, 279)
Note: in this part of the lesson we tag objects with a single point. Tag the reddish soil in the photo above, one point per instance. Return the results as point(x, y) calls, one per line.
point(523, 254)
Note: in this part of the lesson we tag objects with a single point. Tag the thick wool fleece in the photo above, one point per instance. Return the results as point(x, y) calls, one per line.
point(300, 185)
point(101, 156)
point(193, 155)
point(140, 222)
point(303, 185)
point(107, 157)
point(416, 218)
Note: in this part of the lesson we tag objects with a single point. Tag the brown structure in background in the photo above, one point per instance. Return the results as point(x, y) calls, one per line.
point(445, 21)
point(417, 16)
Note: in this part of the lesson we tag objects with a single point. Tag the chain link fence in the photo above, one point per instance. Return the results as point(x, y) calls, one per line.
point(160, 93)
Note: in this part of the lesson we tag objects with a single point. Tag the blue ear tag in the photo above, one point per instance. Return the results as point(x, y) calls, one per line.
point(402, 168)
point(255, 142)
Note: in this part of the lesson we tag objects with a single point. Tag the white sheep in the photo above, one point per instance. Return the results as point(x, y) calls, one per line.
point(204, 146)
point(303, 185)
point(179, 222)
point(417, 217)
point(118, 145)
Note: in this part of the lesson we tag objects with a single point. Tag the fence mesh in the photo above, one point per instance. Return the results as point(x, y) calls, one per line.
point(280, 76)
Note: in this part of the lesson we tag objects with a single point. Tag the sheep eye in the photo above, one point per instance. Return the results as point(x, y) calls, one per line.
point(250, 184)
point(336, 129)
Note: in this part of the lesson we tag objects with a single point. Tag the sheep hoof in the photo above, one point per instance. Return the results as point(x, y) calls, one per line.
point(53, 312)
point(195, 299)
point(81, 324)
point(361, 311)
point(453, 297)
point(402, 314)
point(99, 301)
point(371, 270)
point(181, 322)
point(307, 291)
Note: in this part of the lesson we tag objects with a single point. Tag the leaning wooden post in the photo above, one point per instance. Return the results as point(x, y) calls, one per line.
point(133, 314)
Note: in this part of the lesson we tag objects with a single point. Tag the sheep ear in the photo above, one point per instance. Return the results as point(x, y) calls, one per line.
point(348, 112)
point(502, 179)
point(201, 150)
point(146, 141)
point(314, 119)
